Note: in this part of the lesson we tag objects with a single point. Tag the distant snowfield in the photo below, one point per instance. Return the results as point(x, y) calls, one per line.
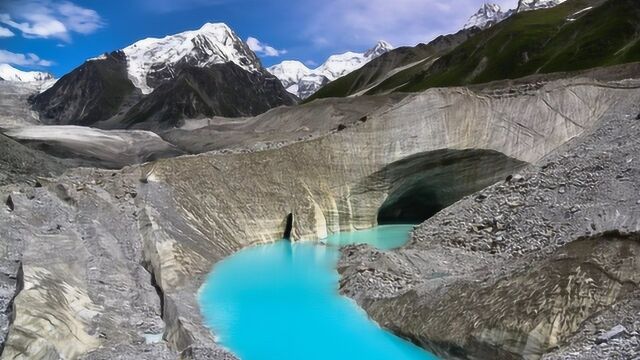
point(293, 74)
point(110, 148)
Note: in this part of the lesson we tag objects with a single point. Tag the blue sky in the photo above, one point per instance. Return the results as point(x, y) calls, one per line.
point(58, 35)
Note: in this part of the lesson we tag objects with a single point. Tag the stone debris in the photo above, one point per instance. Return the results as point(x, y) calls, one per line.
point(617, 331)
point(587, 188)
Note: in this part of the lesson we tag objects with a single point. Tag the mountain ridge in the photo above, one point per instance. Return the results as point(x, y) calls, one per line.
point(10, 73)
point(303, 81)
point(115, 90)
point(488, 15)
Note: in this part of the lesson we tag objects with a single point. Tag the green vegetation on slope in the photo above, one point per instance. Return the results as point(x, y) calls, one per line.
point(368, 77)
point(374, 70)
point(542, 41)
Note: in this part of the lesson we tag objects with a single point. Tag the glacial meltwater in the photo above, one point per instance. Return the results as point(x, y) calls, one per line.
point(281, 302)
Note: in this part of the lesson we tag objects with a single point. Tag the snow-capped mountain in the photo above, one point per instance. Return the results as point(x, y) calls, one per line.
point(491, 14)
point(303, 82)
point(308, 85)
point(527, 5)
point(157, 82)
point(289, 72)
point(488, 15)
point(151, 61)
point(9, 73)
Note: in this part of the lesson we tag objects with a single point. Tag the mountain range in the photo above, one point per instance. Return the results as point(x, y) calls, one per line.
point(157, 82)
point(10, 73)
point(303, 82)
point(559, 36)
point(490, 14)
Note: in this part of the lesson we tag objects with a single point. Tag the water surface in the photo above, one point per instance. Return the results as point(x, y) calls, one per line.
point(280, 302)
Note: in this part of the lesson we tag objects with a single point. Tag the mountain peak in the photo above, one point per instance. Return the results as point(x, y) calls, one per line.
point(527, 5)
point(9, 73)
point(488, 15)
point(151, 60)
point(299, 80)
point(215, 27)
point(380, 48)
point(289, 72)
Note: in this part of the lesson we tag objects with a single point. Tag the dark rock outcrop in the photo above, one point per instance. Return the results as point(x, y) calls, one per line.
point(100, 94)
point(219, 90)
point(95, 91)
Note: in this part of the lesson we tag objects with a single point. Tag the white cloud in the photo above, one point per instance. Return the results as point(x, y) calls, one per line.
point(29, 59)
point(4, 32)
point(360, 23)
point(263, 49)
point(79, 19)
point(49, 18)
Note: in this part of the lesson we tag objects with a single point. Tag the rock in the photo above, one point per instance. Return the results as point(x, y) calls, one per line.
point(10, 203)
point(515, 178)
point(615, 332)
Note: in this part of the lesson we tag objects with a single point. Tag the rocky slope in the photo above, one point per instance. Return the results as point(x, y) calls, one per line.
point(95, 91)
point(544, 262)
point(304, 82)
point(141, 240)
point(14, 104)
point(217, 90)
point(20, 164)
point(205, 71)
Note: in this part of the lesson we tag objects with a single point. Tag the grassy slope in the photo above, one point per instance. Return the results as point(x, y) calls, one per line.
point(370, 73)
point(541, 41)
point(376, 70)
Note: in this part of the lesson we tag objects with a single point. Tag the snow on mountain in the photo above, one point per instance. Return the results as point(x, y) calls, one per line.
point(309, 84)
point(289, 72)
point(488, 15)
point(9, 73)
point(380, 48)
point(157, 59)
point(527, 5)
point(303, 82)
point(491, 14)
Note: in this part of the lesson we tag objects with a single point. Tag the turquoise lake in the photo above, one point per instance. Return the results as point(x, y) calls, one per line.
point(280, 302)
